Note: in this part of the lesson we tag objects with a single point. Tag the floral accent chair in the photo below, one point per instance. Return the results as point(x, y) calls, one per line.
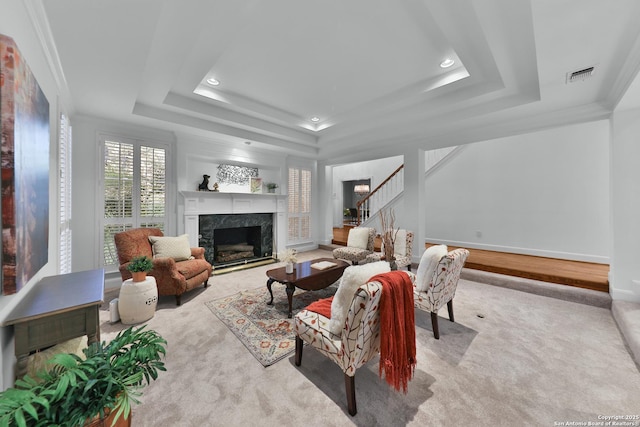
point(441, 286)
point(357, 343)
point(174, 275)
point(403, 250)
point(360, 243)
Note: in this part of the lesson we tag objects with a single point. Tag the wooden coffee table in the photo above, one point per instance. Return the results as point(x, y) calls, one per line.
point(305, 277)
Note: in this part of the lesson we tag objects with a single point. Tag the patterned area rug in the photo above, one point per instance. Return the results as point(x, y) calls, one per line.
point(265, 329)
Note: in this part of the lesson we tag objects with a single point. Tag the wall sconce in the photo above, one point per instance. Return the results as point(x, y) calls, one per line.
point(361, 189)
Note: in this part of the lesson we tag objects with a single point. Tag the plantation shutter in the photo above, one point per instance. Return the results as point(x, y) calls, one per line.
point(152, 187)
point(64, 196)
point(134, 191)
point(118, 198)
point(299, 221)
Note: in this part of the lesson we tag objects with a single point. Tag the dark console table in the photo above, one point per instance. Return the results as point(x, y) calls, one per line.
point(56, 309)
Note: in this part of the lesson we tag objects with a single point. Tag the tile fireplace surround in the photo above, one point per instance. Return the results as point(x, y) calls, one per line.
point(198, 203)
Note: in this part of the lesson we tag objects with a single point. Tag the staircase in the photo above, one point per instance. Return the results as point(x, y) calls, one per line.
point(388, 189)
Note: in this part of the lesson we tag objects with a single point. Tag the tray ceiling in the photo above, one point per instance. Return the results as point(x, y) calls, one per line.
point(369, 70)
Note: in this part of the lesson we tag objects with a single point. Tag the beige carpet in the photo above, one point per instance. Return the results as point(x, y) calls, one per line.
point(511, 359)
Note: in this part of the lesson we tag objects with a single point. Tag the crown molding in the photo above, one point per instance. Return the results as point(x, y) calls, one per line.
point(38, 17)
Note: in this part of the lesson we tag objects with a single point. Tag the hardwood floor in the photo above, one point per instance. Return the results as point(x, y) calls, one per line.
point(572, 273)
point(340, 237)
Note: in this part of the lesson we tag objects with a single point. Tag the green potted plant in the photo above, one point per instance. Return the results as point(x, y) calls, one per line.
point(271, 187)
point(95, 391)
point(139, 267)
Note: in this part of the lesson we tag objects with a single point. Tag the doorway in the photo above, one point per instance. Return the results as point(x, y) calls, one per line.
point(353, 192)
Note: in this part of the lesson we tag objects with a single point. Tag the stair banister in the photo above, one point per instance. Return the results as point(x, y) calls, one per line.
point(365, 200)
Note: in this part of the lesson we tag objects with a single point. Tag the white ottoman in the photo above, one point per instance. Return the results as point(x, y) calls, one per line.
point(137, 300)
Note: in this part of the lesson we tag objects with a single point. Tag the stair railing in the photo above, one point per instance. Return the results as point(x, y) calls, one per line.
point(385, 191)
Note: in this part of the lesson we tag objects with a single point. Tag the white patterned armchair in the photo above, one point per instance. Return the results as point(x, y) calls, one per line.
point(441, 285)
point(358, 341)
point(360, 242)
point(403, 249)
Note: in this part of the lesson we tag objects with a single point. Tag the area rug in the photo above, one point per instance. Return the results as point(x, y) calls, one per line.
point(264, 329)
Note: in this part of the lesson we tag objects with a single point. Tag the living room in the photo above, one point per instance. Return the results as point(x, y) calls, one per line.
point(557, 181)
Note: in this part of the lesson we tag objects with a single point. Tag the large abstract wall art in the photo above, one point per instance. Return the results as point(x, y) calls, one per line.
point(24, 122)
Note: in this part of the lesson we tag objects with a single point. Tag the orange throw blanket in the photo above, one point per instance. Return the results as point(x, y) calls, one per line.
point(397, 329)
point(322, 306)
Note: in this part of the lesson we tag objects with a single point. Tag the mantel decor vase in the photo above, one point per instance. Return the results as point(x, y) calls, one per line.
point(288, 268)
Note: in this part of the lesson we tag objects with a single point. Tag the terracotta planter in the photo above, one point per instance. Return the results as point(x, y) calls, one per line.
point(139, 276)
point(108, 421)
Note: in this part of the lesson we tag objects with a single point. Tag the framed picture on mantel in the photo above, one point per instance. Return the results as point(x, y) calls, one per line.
point(255, 185)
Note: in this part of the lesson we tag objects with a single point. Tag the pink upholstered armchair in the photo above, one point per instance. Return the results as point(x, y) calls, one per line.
point(172, 277)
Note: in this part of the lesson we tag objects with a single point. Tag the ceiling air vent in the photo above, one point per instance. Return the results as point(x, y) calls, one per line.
point(580, 75)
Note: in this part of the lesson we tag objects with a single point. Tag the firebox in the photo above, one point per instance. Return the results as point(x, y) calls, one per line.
point(232, 244)
point(233, 239)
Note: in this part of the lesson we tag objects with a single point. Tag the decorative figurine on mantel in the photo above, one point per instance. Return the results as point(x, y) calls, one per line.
point(215, 187)
point(204, 185)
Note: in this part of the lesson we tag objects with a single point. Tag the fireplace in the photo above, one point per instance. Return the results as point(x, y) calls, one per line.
point(206, 211)
point(233, 239)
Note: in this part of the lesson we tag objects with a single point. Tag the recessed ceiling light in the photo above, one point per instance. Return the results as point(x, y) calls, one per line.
point(212, 81)
point(447, 63)
point(315, 119)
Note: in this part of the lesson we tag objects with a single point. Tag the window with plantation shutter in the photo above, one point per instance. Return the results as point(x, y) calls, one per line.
point(133, 190)
point(64, 195)
point(299, 218)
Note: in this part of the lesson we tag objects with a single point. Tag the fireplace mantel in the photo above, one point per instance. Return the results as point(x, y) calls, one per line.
point(211, 202)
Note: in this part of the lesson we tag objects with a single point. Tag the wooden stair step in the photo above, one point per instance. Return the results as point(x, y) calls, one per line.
point(587, 275)
point(579, 274)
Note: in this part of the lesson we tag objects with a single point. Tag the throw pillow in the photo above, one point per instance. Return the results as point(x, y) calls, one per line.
point(428, 264)
point(358, 238)
point(353, 277)
point(171, 247)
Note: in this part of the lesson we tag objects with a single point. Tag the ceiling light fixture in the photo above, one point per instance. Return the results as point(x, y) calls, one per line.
point(447, 63)
point(361, 189)
point(315, 119)
point(212, 81)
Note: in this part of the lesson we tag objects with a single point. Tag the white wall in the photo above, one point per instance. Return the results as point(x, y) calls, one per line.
point(15, 23)
point(209, 167)
point(625, 205)
point(544, 193)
